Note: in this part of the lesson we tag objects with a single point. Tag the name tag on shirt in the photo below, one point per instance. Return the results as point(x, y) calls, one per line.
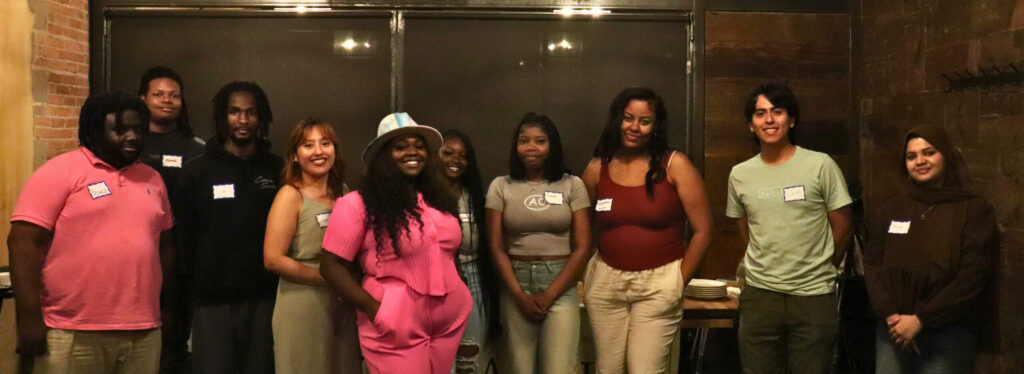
point(98, 190)
point(321, 218)
point(899, 227)
point(794, 193)
point(172, 161)
point(553, 198)
point(223, 191)
point(603, 205)
point(464, 217)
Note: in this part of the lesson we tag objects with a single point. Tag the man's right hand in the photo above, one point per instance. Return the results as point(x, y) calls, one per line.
point(31, 337)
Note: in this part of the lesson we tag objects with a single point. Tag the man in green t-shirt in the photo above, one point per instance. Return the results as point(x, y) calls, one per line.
point(792, 208)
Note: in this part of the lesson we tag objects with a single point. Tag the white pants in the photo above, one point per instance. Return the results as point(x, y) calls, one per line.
point(634, 315)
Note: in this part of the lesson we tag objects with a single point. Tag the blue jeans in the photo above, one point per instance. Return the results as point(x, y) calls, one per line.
point(551, 346)
point(476, 327)
point(944, 350)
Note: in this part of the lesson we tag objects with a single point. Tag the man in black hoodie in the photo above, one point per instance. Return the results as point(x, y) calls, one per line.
point(226, 194)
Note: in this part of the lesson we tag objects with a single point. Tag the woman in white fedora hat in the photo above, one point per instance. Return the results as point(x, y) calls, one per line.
point(400, 228)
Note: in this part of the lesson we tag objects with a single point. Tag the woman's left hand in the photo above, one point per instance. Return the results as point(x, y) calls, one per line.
point(544, 300)
point(903, 330)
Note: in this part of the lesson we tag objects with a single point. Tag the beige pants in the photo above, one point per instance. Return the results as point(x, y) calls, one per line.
point(88, 352)
point(634, 315)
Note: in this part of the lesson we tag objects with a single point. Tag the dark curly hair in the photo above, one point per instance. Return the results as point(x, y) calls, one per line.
point(554, 167)
point(220, 108)
point(472, 181)
point(657, 145)
point(93, 116)
point(390, 199)
point(156, 72)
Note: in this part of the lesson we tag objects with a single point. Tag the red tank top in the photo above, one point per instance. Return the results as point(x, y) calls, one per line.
point(639, 232)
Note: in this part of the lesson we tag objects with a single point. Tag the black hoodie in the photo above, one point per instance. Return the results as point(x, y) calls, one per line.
point(223, 218)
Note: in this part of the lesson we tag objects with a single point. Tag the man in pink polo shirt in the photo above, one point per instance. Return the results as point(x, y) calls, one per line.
point(90, 244)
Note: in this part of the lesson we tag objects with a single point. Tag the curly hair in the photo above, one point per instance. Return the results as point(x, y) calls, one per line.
point(157, 72)
point(611, 138)
point(220, 108)
point(472, 181)
point(292, 173)
point(390, 199)
point(93, 116)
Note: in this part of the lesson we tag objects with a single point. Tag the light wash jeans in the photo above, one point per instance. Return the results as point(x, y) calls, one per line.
point(476, 327)
point(549, 347)
point(634, 315)
point(944, 350)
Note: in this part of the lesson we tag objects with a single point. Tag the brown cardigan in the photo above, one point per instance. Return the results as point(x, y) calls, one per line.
point(940, 269)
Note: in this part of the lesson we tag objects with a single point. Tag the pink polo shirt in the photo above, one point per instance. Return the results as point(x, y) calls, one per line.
point(102, 270)
point(427, 253)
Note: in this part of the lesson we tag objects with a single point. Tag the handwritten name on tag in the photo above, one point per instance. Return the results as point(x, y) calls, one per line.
point(899, 227)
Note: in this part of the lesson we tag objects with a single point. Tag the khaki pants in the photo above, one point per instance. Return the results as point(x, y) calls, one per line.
point(634, 315)
point(89, 352)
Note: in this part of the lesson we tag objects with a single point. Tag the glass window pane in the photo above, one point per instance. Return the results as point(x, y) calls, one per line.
point(335, 69)
point(483, 75)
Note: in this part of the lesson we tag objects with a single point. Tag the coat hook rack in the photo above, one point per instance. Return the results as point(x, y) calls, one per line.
point(984, 77)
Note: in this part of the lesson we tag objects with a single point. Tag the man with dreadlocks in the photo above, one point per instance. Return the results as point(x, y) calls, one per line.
point(225, 196)
point(90, 244)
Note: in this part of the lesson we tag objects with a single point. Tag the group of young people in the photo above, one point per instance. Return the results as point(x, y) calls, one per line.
point(272, 264)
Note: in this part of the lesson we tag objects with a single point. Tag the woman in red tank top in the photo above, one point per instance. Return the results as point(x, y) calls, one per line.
point(642, 192)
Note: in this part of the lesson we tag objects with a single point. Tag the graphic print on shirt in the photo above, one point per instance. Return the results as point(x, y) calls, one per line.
point(769, 193)
point(98, 190)
point(536, 202)
point(265, 183)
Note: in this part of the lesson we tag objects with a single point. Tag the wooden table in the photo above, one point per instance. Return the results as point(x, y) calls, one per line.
point(704, 315)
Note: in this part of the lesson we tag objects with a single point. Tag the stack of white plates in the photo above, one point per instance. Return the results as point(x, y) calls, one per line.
point(706, 289)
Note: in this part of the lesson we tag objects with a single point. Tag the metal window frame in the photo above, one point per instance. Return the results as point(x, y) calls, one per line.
point(686, 12)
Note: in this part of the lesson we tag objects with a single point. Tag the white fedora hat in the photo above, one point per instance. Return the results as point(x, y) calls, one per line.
point(396, 124)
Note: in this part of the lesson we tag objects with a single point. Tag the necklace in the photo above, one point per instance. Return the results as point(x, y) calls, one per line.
point(533, 185)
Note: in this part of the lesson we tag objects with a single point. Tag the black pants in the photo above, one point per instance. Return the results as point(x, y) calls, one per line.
point(234, 337)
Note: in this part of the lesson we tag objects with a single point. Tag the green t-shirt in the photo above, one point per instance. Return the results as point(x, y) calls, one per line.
point(786, 207)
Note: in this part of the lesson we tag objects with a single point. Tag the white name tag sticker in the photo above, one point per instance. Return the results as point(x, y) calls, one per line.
point(172, 161)
point(553, 198)
point(223, 191)
point(794, 193)
point(603, 205)
point(899, 227)
point(464, 217)
point(98, 190)
point(322, 218)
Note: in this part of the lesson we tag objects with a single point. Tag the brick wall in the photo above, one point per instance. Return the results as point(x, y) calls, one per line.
point(905, 47)
point(808, 51)
point(60, 73)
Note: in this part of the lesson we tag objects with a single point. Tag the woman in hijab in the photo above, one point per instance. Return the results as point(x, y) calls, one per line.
point(929, 262)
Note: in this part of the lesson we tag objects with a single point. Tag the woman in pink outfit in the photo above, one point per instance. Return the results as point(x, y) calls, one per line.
point(400, 228)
